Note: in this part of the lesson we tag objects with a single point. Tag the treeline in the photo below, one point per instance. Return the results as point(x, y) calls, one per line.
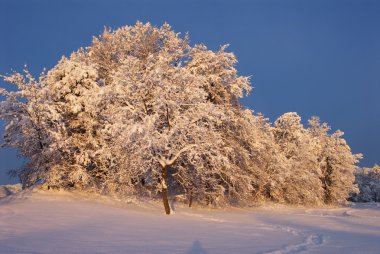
point(141, 112)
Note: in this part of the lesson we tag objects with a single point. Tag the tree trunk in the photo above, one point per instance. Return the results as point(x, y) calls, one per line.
point(327, 182)
point(190, 197)
point(165, 190)
point(190, 200)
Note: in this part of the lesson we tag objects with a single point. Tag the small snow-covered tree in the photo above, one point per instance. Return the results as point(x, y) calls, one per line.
point(50, 123)
point(22, 111)
point(68, 99)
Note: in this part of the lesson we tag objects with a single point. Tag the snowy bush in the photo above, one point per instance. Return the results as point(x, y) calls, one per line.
point(368, 181)
point(141, 112)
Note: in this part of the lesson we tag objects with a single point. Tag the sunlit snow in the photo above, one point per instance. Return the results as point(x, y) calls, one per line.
point(62, 222)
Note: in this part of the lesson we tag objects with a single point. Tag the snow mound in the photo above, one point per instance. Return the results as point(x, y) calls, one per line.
point(6, 190)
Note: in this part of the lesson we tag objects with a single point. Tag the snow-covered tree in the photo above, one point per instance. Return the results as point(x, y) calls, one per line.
point(269, 164)
point(296, 144)
point(22, 111)
point(49, 123)
point(72, 121)
point(168, 132)
point(336, 162)
point(140, 111)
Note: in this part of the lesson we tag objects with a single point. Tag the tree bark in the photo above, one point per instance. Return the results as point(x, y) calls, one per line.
point(164, 190)
point(327, 181)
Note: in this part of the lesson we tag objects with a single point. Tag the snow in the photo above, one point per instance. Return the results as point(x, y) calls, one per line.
point(40, 221)
point(6, 190)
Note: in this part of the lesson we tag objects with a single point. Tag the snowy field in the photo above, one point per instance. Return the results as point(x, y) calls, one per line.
point(61, 222)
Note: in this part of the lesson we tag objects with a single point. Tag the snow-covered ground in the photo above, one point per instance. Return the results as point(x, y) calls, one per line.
point(38, 221)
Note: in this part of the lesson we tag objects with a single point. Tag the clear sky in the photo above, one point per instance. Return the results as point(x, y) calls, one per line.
point(312, 57)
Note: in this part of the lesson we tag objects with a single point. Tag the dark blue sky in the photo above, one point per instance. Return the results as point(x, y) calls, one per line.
point(312, 57)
